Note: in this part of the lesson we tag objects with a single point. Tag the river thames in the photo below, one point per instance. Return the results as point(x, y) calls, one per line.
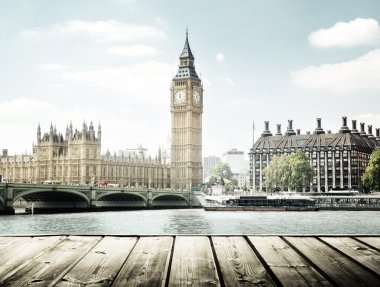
point(193, 221)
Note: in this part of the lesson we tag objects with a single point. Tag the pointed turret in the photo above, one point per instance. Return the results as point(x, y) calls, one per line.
point(99, 132)
point(186, 62)
point(186, 52)
point(159, 155)
point(38, 133)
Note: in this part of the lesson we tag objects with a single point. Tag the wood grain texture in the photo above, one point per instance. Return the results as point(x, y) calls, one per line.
point(101, 265)
point(23, 250)
point(288, 266)
point(338, 267)
point(373, 241)
point(238, 263)
point(193, 263)
point(360, 252)
point(147, 264)
point(53, 264)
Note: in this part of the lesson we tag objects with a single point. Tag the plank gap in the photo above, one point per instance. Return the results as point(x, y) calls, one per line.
point(170, 263)
point(263, 262)
point(122, 265)
point(328, 278)
point(365, 243)
point(217, 265)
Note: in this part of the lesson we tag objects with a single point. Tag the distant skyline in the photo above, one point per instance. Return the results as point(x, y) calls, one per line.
point(113, 61)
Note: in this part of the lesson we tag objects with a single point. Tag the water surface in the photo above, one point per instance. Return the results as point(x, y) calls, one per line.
point(194, 221)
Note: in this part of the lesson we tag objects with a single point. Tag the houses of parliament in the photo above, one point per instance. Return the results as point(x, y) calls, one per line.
point(75, 156)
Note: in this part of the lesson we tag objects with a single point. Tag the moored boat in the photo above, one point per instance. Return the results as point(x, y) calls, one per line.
point(289, 202)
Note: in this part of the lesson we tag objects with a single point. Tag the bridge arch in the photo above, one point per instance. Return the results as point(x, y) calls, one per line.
point(121, 199)
point(54, 198)
point(170, 200)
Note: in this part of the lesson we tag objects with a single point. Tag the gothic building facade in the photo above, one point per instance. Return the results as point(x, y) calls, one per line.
point(75, 158)
point(338, 159)
point(186, 134)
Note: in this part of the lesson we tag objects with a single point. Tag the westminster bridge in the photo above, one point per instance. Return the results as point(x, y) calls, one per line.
point(49, 197)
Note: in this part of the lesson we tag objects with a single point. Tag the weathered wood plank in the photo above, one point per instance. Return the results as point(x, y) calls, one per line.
point(286, 264)
point(101, 265)
point(52, 265)
point(193, 263)
point(7, 239)
point(339, 268)
point(238, 263)
point(22, 251)
point(373, 241)
point(148, 263)
point(7, 243)
point(360, 252)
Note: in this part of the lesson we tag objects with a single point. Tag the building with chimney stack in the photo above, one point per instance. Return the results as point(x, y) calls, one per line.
point(338, 159)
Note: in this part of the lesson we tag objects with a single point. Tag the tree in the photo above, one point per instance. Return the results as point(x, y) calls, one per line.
point(222, 174)
point(371, 176)
point(293, 171)
point(301, 171)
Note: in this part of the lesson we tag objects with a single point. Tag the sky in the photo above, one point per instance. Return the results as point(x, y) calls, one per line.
point(112, 62)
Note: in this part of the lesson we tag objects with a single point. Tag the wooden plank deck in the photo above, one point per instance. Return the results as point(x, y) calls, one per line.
point(189, 261)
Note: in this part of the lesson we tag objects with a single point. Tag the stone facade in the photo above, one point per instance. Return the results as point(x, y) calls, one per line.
point(339, 159)
point(75, 158)
point(186, 135)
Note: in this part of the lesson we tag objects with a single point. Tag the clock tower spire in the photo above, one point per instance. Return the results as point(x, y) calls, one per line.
point(186, 109)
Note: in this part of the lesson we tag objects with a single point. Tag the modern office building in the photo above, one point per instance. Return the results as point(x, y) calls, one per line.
point(339, 159)
point(238, 165)
point(236, 161)
point(209, 162)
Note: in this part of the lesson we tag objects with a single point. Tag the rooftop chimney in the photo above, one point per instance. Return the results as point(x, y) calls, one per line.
point(298, 132)
point(378, 134)
point(319, 129)
point(354, 130)
point(370, 135)
point(362, 131)
point(344, 129)
point(278, 130)
point(290, 131)
point(266, 132)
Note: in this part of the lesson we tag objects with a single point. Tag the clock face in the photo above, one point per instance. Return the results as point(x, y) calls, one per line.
point(196, 97)
point(179, 97)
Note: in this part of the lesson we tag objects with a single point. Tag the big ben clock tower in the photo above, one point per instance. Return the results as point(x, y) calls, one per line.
point(186, 104)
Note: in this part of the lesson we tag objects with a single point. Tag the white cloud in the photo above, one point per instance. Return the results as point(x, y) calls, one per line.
point(53, 67)
point(132, 51)
point(130, 80)
point(239, 103)
point(361, 74)
point(230, 82)
point(357, 32)
point(100, 31)
point(220, 57)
